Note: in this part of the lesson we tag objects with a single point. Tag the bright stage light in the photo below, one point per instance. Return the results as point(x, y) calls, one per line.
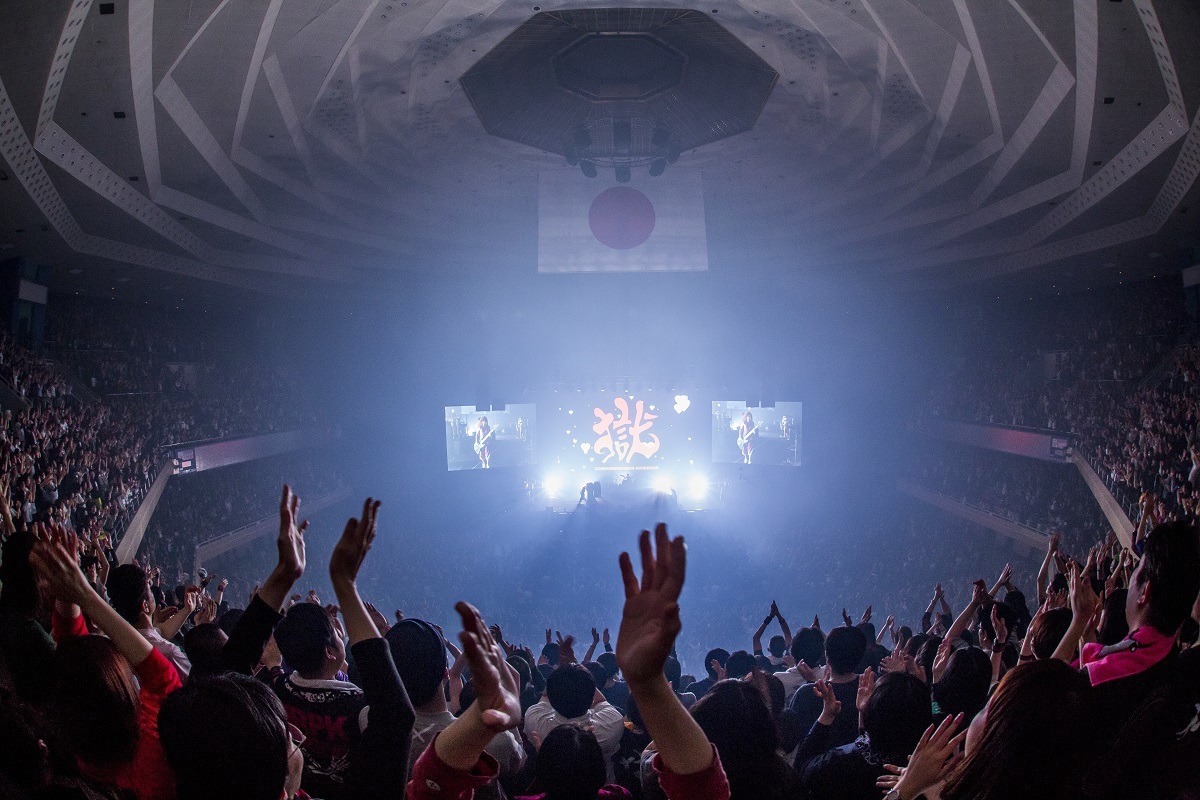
point(552, 484)
point(663, 484)
point(698, 487)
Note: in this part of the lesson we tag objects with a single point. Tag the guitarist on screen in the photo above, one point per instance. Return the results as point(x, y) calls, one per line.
point(747, 434)
point(483, 433)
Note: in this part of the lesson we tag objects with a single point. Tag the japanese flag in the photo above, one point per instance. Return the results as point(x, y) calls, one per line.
point(599, 225)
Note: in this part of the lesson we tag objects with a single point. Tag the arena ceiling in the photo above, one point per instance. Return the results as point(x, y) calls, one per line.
point(180, 147)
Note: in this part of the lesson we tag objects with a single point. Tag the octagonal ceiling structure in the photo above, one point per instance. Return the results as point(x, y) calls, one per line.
point(619, 83)
point(907, 142)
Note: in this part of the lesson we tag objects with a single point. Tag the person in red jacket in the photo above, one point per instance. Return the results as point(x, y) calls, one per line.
point(126, 757)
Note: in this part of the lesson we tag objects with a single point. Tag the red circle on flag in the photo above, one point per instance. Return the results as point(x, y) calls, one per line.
point(621, 217)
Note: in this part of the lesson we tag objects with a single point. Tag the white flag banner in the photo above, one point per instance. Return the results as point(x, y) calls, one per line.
point(599, 225)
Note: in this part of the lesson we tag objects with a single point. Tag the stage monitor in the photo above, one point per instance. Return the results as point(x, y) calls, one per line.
point(742, 435)
point(488, 439)
point(612, 431)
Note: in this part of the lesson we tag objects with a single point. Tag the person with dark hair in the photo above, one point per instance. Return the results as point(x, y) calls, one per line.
point(844, 648)
point(265, 757)
point(419, 652)
point(26, 649)
point(570, 766)
point(110, 727)
point(719, 656)
point(895, 712)
point(1147, 694)
point(778, 645)
point(963, 686)
point(1045, 632)
point(129, 592)
point(735, 717)
point(203, 645)
point(614, 689)
point(739, 665)
point(572, 698)
point(808, 653)
point(255, 753)
point(346, 728)
point(1030, 741)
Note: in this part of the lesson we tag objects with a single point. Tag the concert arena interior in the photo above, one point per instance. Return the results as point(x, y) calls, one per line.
point(451, 399)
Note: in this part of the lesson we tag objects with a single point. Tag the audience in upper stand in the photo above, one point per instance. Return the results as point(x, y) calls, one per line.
point(1037, 494)
point(195, 508)
point(1033, 372)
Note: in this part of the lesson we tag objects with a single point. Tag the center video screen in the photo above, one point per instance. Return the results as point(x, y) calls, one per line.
point(489, 439)
point(622, 432)
point(742, 435)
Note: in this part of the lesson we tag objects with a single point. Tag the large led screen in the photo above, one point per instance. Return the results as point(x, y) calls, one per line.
point(621, 432)
point(488, 439)
point(742, 435)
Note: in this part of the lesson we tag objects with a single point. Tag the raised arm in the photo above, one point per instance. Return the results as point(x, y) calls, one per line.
point(783, 626)
point(1084, 607)
point(592, 649)
point(290, 566)
point(649, 624)
point(756, 640)
point(1005, 577)
point(55, 558)
point(497, 706)
point(172, 626)
point(1043, 578)
point(378, 760)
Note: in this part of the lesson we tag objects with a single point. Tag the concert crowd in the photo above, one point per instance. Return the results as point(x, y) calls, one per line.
point(948, 674)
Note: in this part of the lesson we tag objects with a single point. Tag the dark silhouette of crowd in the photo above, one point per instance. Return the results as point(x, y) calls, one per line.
point(1083, 683)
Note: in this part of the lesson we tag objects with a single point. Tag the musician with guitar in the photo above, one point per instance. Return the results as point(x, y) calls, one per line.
point(747, 434)
point(483, 434)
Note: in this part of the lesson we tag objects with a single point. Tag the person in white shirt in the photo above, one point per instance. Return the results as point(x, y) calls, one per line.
point(419, 652)
point(129, 590)
point(808, 654)
point(572, 698)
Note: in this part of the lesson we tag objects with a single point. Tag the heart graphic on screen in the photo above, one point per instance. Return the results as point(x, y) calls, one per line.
point(585, 447)
point(682, 403)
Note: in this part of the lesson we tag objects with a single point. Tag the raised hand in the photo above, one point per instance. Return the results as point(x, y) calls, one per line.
point(816, 621)
point(979, 592)
point(497, 685)
point(893, 662)
point(607, 638)
point(1084, 602)
point(55, 560)
point(718, 669)
point(831, 707)
point(566, 651)
point(774, 609)
point(207, 612)
point(846, 619)
point(806, 672)
point(866, 686)
point(650, 620)
point(866, 617)
point(351, 549)
point(379, 619)
point(595, 637)
point(291, 535)
point(936, 753)
point(1000, 627)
